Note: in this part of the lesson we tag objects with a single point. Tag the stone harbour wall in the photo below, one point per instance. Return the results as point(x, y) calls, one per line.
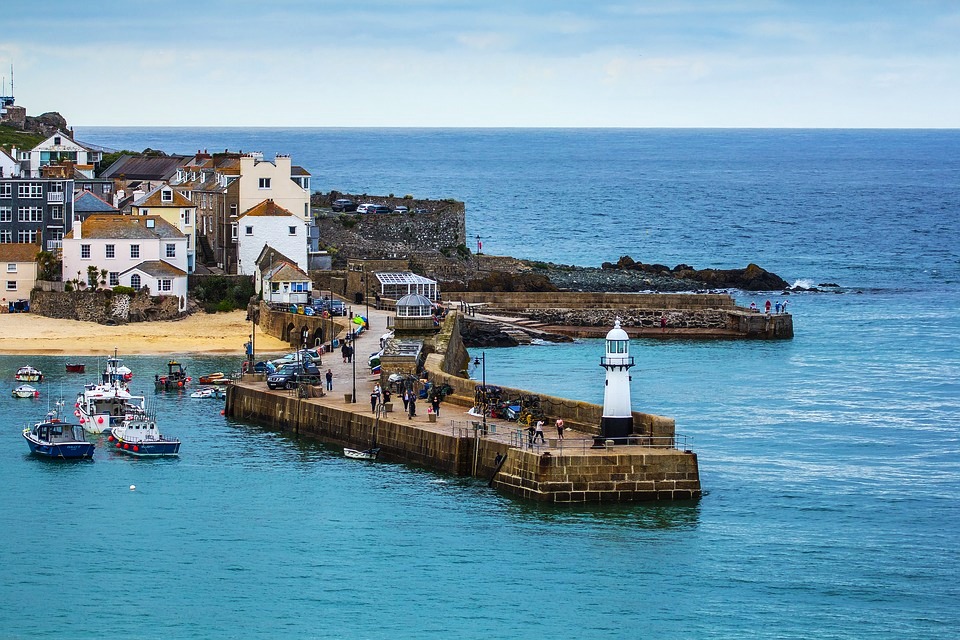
point(104, 306)
point(676, 318)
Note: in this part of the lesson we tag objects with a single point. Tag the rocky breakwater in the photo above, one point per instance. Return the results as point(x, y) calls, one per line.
point(751, 278)
point(633, 318)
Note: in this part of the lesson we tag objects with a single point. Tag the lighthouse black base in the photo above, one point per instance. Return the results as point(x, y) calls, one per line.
point(616, 429)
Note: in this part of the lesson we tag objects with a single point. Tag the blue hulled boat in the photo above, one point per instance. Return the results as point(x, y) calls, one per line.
point(138, 435)
point(55, 439)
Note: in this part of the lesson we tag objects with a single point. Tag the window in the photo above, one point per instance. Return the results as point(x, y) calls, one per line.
point(164, 285)
point(144, 212)
point(6, 236)
point(249, 230)
point(135, 281)
point(134, 252)
point(166, 195)
point(299, 287)
point(29, 236)
point(233, 211)
point(30, 190)
point(275, 287)
point(11, 267)
point(264, 183)
point(11, 285)
point(114, 279)
point(233, 230)
point(293, 230)
point(56, 187)
point(30, 214)
point(186, 216)
point(56, 211)
point(84, 252)
point(171, 251)
point(56, 141)
point(6, 214)
point(110, 251)
point(6, 190)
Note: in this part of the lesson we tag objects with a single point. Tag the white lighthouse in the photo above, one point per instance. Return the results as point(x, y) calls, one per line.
point(617, 420)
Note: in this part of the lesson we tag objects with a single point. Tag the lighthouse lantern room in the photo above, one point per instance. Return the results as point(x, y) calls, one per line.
point(617, 420)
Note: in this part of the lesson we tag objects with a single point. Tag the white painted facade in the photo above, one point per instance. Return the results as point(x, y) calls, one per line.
point(264, 180)
point(285, 233)
point(58, 148)
point(9, 168)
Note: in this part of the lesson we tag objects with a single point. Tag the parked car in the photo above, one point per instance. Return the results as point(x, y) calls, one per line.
point(401, 209)
point(420, 210)
point(379, 208)
point(290, 375)
point(336, 308)
point(344, 204)
point(365, 207)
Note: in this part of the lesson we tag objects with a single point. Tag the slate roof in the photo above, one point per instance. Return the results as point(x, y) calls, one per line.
point(297, 170)
point(155, 199)
point(18, 252)
point(286, 272)
point(157, 269)
point(268, 255)
point(89, 202)
point(266, 208)
point(102, 226)
point(144, 167)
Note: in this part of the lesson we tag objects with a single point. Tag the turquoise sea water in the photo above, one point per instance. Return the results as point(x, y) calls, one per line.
point(831, 462)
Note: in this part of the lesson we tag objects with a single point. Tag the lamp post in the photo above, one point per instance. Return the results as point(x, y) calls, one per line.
point(366, 295)
point(482, 362)
point(353, 356)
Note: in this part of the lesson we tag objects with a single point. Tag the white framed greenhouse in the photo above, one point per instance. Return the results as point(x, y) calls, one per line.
point(395, 285)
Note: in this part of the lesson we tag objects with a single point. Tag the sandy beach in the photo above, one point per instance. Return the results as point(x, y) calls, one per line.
point(199, 333)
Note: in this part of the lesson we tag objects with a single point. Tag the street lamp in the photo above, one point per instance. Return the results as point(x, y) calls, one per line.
point(366, 295)
point(353, 355)
point(482, 361)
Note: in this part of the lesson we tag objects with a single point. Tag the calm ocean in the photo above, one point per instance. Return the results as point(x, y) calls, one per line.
point(831, 462)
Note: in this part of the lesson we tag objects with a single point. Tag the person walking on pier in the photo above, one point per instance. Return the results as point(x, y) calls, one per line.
point(329, 376)
point(406, 400)
point(538, 432)
point(344, 350)
point(435, 403)
point(412, 405)
point(767, 307)
point(374, 398)
point(560, 428)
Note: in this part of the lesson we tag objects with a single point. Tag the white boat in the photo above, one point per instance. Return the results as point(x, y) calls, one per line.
point(137, 435)
point(208, 392)
point(102, 406)
point(28, 374)
point(366, 454)
point(25, 391)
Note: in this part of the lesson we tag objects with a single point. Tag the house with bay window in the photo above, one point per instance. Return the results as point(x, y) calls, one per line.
point(133, 251)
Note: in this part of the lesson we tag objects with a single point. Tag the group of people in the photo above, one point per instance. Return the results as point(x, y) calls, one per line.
point(535, 432)
point(779, 307)
point(409, 398)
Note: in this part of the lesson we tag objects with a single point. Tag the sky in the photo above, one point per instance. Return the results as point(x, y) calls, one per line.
point(487, 63)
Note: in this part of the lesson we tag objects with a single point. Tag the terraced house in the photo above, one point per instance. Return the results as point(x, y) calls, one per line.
point(134, 251)
point(225, 186)
point(35, 210)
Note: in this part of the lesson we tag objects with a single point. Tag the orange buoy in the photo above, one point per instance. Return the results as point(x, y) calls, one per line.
point(223, 412)
point(100, 419)
point(136, 448)
point(110, 438)
point(119, 444)
point(180, 384)
point(126, 446)
point(82, 420)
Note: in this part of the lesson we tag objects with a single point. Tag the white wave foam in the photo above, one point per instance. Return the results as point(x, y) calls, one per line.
point(803, 284)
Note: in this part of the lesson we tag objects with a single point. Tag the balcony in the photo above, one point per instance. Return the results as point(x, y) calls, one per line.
point(55, 197)
point(54, 245)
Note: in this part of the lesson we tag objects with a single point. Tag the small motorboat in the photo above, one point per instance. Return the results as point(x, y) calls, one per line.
point(138, 435)
point(211, 378)
point(208, 392)
point(76, 367)
point(55, 439)
point(28, 374)
point(176, 377)
point(366, 454)
point(25, 391)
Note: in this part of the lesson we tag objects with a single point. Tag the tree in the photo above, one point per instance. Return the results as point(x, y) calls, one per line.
point(103, 277)
point(49, 267)
point(92, 276)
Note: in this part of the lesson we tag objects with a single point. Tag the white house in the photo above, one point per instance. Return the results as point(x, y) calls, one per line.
point(270, 223)
point(286, 283)
point(9, 168)
point(176, 209)
point(135, 251)
point(60, 148)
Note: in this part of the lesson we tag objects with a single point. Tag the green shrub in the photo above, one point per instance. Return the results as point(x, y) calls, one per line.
point(122, 290)
point(347, 221)
point(225, 305)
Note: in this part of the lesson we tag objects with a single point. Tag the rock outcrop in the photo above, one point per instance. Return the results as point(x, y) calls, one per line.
point(751, 278)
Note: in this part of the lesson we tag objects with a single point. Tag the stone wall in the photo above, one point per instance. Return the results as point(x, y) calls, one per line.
point(290, 327)
point(676, 318)
point(615, 475)
point(618, 476)
point(520, 301)
point(104, 306)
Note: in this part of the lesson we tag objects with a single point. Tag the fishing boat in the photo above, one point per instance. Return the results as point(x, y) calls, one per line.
point(25, 391)
point(138, 435)
point(366, 454)
point(100, 407)
point(175, 378)
point(115, 372)
point(52, 438)
point(76, 367)
point(208, 392)
point(28, 374)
